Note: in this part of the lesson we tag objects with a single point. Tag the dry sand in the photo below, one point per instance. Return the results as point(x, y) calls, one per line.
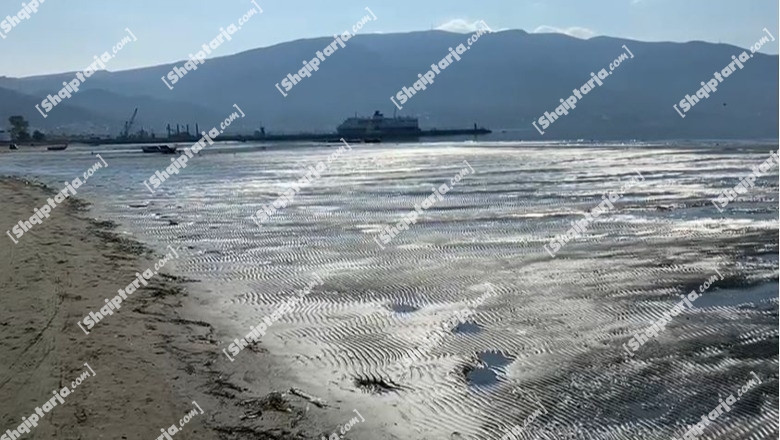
point(150, 362)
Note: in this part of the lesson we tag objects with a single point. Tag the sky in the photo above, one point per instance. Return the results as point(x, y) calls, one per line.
point(65, 35)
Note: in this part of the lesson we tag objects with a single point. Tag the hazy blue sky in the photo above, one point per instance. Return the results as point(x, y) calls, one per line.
point(64, 35)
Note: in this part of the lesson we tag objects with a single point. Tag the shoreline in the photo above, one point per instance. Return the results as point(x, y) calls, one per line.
point(555, 324)
point(151, 361)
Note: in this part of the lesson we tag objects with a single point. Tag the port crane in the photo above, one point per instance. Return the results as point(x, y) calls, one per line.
point(129, 124)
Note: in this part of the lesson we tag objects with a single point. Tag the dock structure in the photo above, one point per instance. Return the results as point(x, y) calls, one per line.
point(304, 137)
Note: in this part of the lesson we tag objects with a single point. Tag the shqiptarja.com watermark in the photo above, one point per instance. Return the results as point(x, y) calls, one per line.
point(698, 428)
point(445, 328)
point(286, 198)
point(569, 103)
point(159, 177)
point(729, 195)
point(641, 338)
point(72, 87)
point(580, 227)
point(712, 84)
point(314, 65)
point(258, 332)
point(516, 432)
point(11, 21)
point(178, 73)
point(390, 232)
point(115, 303)
point(345, 427)
point(426, 79)
point(31, 421)
point(167, 434)
point(43, 212)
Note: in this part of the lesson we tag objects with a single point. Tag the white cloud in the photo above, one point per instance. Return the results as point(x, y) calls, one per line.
point(461, 26)
point(575, 31)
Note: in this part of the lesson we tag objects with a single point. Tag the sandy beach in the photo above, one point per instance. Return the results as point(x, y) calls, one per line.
point(378, 340)
point(150, 363)
point(330, 221)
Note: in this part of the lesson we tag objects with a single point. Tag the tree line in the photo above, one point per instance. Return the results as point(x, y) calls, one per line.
point(19, 130)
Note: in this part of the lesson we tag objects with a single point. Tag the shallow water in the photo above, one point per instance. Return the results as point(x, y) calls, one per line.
point(555, 327)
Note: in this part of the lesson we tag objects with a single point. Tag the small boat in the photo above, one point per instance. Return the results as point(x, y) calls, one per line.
point(151, 149)
point(13, 147)
point(57, 147)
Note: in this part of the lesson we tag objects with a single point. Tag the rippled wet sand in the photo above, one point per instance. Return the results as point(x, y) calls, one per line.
point(553, 329)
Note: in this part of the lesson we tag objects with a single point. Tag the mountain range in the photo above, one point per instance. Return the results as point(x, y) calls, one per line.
point(507, 82)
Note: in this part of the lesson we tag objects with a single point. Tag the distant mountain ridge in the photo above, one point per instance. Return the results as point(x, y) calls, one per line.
point(508, 80)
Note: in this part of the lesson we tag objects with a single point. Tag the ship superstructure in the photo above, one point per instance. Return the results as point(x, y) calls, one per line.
point(378, 126)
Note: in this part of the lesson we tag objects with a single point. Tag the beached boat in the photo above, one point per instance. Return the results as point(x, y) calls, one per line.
point(57, 147)
point(164, 149)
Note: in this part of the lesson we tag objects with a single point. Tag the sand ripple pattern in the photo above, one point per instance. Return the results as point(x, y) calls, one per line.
point(555, 328)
